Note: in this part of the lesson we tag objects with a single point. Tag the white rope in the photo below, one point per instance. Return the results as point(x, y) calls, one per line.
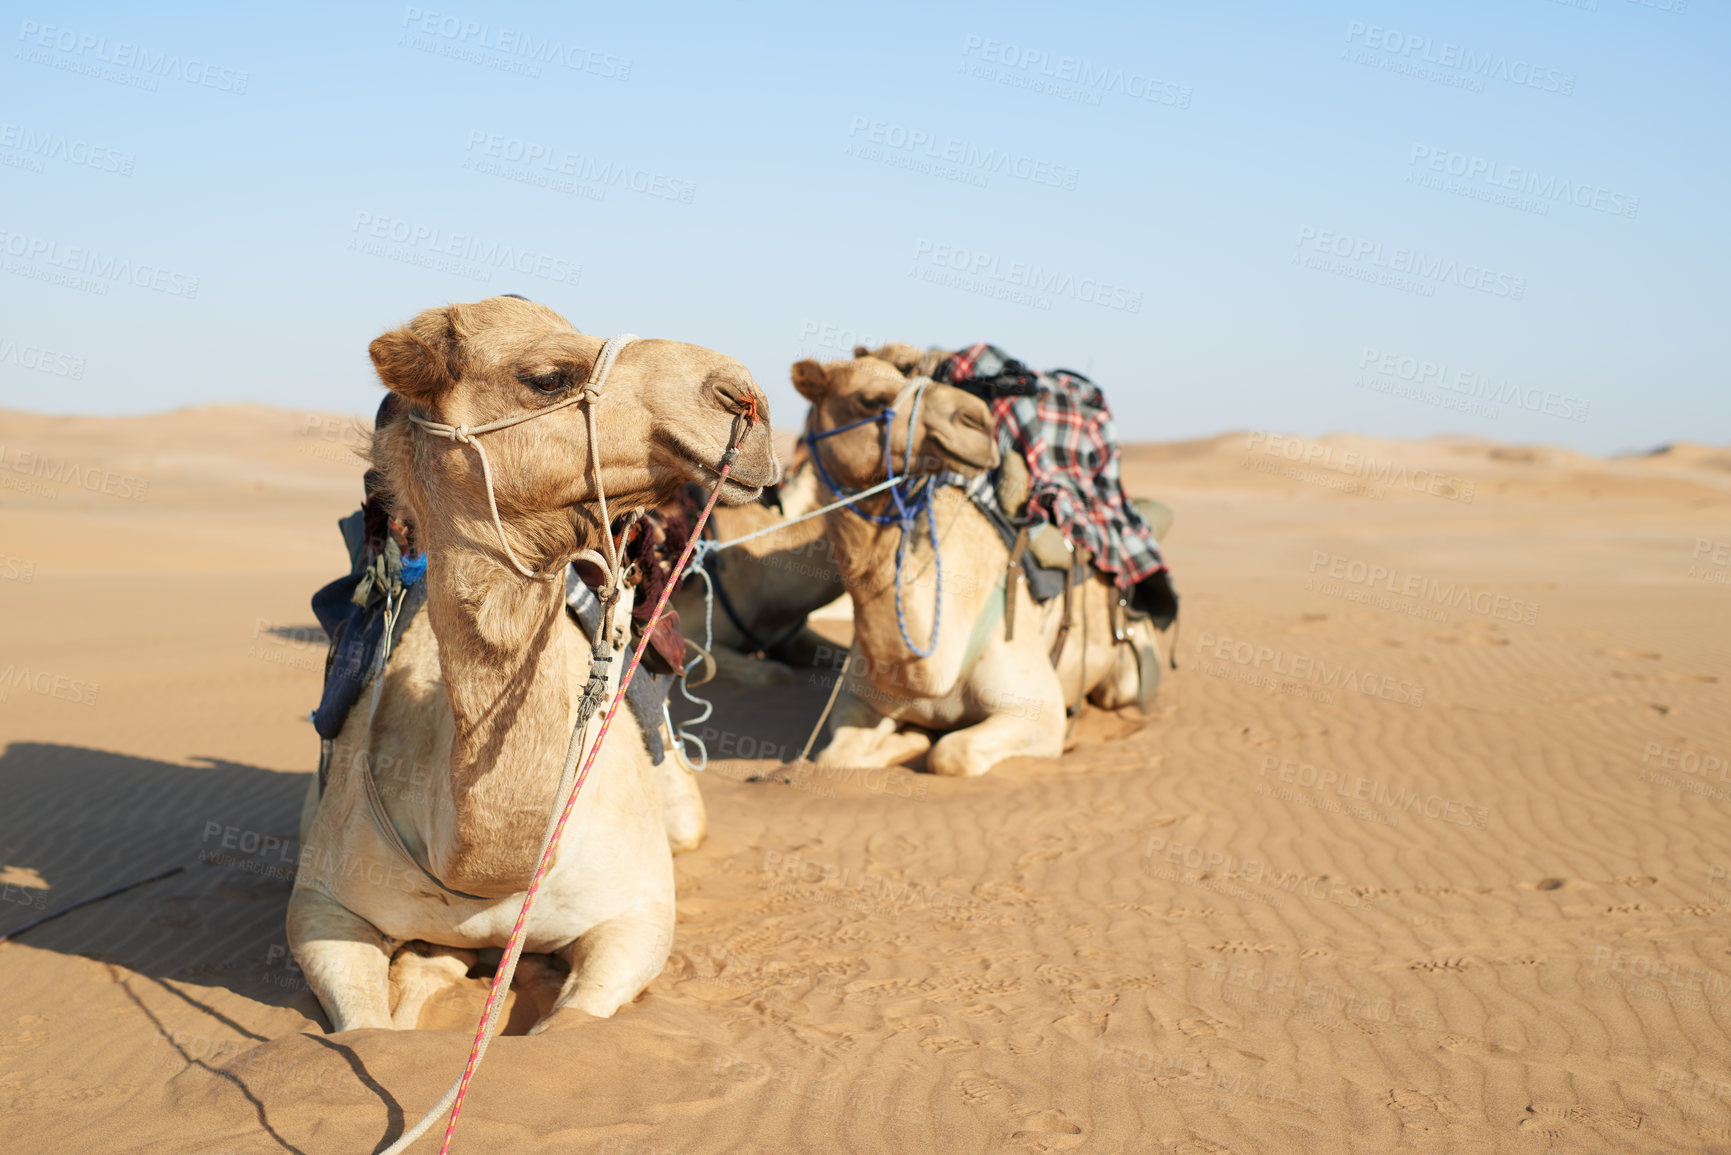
point(590, 392)
point(716, 547)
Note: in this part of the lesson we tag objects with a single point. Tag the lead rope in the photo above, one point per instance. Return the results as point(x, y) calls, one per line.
point(453, 1098)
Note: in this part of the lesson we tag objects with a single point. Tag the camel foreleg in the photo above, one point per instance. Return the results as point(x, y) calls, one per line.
point(611, 963)
point(863, 736)
point(1024, 717)
point(345, 959)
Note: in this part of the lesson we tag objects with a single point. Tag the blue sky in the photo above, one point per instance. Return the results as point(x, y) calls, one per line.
point(1502, 219)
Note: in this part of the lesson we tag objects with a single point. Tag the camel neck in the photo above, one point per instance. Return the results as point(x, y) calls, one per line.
point(504, 660)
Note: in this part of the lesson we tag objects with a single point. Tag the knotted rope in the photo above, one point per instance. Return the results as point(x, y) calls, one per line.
point(590, 392)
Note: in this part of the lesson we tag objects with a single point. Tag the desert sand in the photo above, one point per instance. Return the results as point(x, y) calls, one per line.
point(1423, 847)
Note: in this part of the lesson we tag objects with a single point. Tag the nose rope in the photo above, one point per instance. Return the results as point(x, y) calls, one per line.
point(587, 396)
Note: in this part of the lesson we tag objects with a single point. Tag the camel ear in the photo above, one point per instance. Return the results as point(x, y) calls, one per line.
point(420, 360)
point(812, 381)
point(861, 351)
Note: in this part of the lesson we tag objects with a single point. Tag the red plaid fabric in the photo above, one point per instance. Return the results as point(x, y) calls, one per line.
point(1060, 424)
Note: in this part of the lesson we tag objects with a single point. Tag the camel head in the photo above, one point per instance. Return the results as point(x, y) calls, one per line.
point(667, 414)
point(909, 360)
point(955, 429)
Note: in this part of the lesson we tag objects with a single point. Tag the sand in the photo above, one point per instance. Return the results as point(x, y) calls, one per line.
point(1387, 867)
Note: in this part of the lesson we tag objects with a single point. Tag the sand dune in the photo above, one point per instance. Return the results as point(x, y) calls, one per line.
point(1423, 847)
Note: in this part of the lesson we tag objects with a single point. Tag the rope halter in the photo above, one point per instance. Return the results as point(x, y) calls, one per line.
point(590, 392)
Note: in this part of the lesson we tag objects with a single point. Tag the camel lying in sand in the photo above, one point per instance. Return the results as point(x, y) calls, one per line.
point(989, 696)
point(765, 589)
point(483, 687)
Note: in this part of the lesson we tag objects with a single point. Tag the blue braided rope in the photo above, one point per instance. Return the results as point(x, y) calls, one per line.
point(924, 499)
point(907, 509)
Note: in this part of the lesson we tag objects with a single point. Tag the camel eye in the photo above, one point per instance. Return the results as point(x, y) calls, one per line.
point(550, 382)
point(875, 404)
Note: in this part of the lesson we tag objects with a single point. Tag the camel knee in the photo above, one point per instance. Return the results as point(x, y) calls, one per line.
point(871, 749)
point(612, 962)
point(975, 750)
point(344, 959)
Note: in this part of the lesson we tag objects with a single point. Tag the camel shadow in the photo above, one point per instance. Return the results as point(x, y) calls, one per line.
point(78, 823)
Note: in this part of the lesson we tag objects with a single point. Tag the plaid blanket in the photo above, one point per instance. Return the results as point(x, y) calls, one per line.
point(1060, 424)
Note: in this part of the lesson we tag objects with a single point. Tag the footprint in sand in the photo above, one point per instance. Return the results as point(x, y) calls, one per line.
point(1421, 1110)
point(1540, 1121)
point(948, 1044)
point(979, 1087)
point(1021, 1045)
point(1047, 1131)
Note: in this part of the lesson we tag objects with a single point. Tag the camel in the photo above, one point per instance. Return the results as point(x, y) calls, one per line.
point(482, 690)
point(988, 696)
point(770, 586)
